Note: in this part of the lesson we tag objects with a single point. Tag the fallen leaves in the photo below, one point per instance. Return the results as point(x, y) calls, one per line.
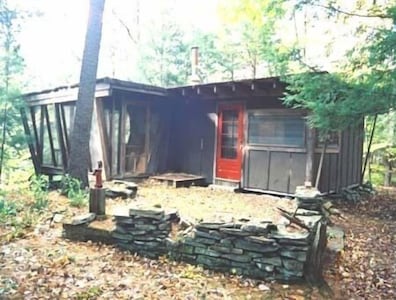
point(43, 265)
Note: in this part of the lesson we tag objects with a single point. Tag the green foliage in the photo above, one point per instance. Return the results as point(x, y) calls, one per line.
point(252, 35)
point(164, 58)
point(11, 67)
point(7, 208)
point(39, 187)
point(365, 86)
point(92, 293)
point(71, 187)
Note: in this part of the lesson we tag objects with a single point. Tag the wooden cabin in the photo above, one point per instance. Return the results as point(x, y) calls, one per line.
point(231, 133)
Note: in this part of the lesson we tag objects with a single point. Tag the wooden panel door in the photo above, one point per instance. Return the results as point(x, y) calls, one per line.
point(229, 142)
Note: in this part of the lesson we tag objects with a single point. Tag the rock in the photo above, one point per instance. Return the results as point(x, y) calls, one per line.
point(57, 218)
point(306, 192)
point(83, 219)
point(164, 226)
point(234, 231)
point(291, 238)
point(147, 213)
point(237, 257)
point(297, 255)
point(114, 192)
point(226, 249)
point(310, 221)
point(211, 262)
point(215, 235)
point(187, 249)
point(214, 225)
point(292, 265)
point(256, 228)
point(335, 238)
point(144, 238)
point(227, 242)
point(206, 251)
point(263, 287)
point(121, 236)
point(306, 212)
point(265, 267)
point(123, 220)
point(172, 215)
point(260, 240)
point(289, 275)
point(136, 232)
point(242, 244)
point(146, 227)
point(274, 260)
point(204, 241)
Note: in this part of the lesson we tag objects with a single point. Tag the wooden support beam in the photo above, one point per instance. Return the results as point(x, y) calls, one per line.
point(50, 137)
point(60, 132)
point(121, 139)
point(104, 139)
point(32, 150)
point(310, 157)
point(41, 149)
point(35, 132)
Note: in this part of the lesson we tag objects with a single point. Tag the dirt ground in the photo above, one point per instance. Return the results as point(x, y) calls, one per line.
point(42, 265)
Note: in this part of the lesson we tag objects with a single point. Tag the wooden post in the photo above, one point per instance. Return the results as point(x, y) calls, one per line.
point(97, 201)
point(319, 172)
point(310, 157)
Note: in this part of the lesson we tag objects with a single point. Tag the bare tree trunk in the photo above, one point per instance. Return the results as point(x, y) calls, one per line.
point(79, 149)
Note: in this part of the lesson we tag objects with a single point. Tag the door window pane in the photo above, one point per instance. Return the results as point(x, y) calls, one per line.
point(276, 130)
point(229, 134)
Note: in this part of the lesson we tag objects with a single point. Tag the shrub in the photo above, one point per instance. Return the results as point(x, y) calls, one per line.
point(71, 188)
point(39, 186)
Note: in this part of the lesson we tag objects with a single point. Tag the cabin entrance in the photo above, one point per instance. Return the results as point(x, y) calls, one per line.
point(135, 142)
point(229, 141)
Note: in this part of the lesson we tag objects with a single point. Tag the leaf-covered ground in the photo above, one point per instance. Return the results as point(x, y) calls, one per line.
point(42, 265)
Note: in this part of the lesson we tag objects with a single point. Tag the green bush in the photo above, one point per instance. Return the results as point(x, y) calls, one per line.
point(39, 187)
point(71, 188)
point(7, 208)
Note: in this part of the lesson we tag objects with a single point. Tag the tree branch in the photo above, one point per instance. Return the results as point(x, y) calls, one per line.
point(352, 14)
point(129, 32)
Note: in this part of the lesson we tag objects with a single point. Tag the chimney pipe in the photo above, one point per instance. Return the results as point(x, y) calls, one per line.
point(194, 79)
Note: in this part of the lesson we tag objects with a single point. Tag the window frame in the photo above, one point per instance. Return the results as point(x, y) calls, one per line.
point(279, 113)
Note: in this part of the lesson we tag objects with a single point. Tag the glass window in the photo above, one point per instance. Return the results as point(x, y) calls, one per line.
point(229, 134)
point(276, 130)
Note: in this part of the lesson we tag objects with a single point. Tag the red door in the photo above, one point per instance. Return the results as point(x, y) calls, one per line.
point(229, 142)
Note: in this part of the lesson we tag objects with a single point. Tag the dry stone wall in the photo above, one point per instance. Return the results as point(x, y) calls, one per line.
point(251, 248)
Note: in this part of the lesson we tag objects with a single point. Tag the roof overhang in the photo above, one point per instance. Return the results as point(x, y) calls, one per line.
point(262, 87)
point(104, 88)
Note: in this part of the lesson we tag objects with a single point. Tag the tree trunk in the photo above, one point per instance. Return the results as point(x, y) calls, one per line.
point(79, 149)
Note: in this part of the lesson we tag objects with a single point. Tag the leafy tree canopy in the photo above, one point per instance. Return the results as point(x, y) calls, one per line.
point(365, 84)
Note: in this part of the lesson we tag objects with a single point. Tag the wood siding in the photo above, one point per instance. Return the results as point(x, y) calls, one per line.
point(192, 140)
point(277, 171)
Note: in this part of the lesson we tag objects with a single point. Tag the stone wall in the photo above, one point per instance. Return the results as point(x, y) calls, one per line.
point(251, 248)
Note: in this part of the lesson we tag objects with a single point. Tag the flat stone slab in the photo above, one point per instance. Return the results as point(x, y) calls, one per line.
point(234, 231)
point(214, 225)
point(260, 240)
point(124, 193)
point(256, 228)
point(83, 219)
point(156, 214)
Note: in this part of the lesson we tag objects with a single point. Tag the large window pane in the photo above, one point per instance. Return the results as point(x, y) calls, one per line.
point(276, 130)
